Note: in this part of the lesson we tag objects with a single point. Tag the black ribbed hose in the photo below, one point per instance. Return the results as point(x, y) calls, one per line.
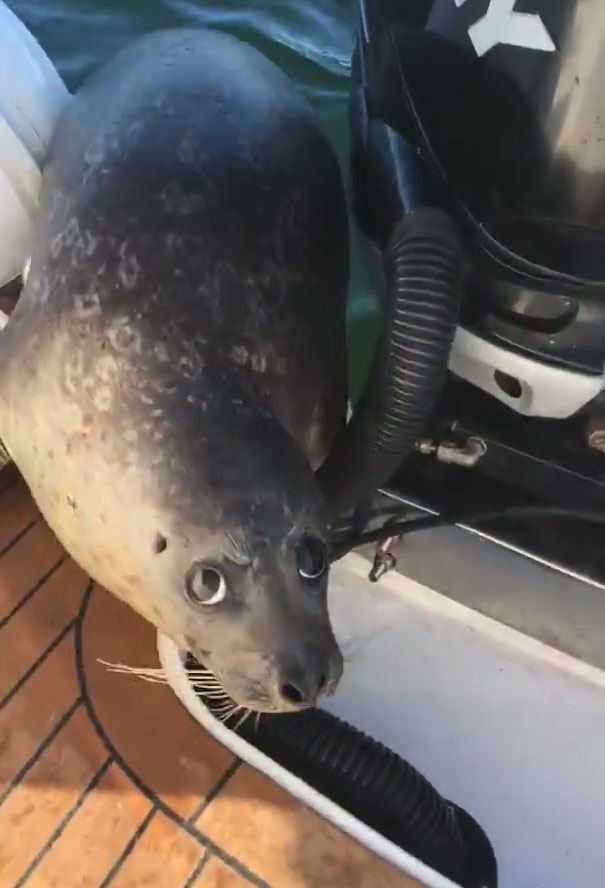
point(376, 786)
point(423, 269)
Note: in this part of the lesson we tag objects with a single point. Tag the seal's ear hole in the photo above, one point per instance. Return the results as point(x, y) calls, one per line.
point(160, 544)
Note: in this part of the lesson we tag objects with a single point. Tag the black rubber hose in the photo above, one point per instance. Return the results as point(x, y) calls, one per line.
point(423, 285)
point(376, 786)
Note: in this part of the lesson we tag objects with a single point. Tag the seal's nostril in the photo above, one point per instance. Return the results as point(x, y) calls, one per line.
point(296, 693)
point(292, 694)
point(306, 674)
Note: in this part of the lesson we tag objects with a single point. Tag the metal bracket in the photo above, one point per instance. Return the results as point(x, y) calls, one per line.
point(467, 454)
point(384, 560)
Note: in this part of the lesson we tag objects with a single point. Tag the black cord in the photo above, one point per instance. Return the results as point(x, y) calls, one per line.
point(400, 529)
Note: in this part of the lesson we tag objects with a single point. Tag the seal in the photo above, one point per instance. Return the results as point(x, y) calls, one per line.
point(175, 369)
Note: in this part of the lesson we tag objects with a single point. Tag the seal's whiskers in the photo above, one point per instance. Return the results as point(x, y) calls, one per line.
point(153, 675)
point(225, 714)
point(211, 695)
point(203, 680)
point(247, 714)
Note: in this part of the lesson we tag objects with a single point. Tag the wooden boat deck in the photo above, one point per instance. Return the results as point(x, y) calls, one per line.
point(105, 780)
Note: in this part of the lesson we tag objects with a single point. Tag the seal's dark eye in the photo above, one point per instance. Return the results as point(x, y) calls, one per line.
point(311, 559)
point(205, 584)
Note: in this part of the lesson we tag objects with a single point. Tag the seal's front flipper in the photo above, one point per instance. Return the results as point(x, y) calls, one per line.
point(4, 456)
point(9, 296)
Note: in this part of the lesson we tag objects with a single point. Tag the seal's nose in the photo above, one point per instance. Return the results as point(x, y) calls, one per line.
point(304, 677)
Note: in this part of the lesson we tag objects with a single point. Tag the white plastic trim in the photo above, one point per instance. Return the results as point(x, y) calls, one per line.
point(15, 231)
point(172, 663)
point(20, 168)
point(550, 392)
point(33, 93)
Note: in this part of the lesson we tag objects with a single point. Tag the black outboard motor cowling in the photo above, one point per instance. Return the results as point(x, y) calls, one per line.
point(494, 110)
point(524, 80)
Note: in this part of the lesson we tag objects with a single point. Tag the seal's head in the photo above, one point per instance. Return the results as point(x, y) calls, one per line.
point(228, 553)
point(248, 586)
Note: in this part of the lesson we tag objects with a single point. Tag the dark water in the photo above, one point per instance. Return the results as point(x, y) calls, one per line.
point(311, 40)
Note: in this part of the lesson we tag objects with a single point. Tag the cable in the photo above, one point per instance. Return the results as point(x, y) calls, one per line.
point(398, 529)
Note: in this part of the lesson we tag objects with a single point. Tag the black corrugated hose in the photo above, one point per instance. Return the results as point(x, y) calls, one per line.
point(423, 267)
point(376, 786)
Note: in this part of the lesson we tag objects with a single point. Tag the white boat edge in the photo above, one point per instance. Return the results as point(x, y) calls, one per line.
point(172, 663)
